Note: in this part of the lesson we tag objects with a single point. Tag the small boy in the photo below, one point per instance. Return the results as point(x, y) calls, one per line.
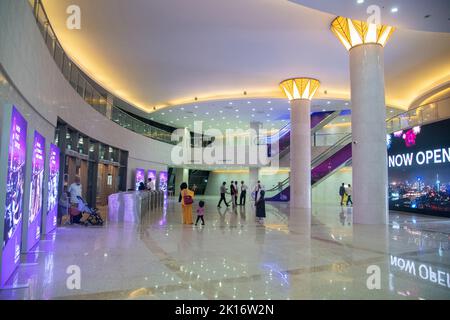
point(200, 212)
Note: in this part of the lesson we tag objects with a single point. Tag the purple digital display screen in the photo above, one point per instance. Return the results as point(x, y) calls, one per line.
point(36, 190)
point(14, 195)
point(163, 181)
point(53, 181)
point(140, 177)
point(151, 174)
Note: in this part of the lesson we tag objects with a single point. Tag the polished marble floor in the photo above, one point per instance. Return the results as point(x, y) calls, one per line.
point(291, 256)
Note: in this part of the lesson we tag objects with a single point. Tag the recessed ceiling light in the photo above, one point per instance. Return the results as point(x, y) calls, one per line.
point(230, 103)
point(178, 119)
point(392, 111)
point(195, 115)
point(253, 115)
point(323, 110)
point(207, 113)
point(268, 120)
point(221, 111)
point(212, 119)
point(268, 115)
point(394, 10)
point(249, 102)
point(269, 102)
point(328, 102)
point(182, 108)
point(170, 110)
point(253, 109)
point(162, 113)
point(196, 107)
point(346, 103)
point(171, 121)
point(152, 118)
point(223, 118)
point(289, 109)
point(237, 110)
point(359, 1)
point(271, 109)
point(184, 117)
point(237, 116)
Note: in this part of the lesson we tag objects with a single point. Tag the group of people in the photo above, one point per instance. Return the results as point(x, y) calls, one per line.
point(345, 192)
point(187, 201)
point(150, 186)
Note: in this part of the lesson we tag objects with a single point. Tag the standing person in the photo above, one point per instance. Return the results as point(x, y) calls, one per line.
point(243, 194)
point(200, 212)
point(75, 191)
point(187, 199)
point(348, 191)
point(233, 193)
point(236, 189)
point(141, 186)
point(256, 190)
point(342, 193)
point(223, 190)
point(150, 185)
point(260, 206)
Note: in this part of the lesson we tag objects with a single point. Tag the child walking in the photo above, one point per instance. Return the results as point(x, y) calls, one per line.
point(200, 212)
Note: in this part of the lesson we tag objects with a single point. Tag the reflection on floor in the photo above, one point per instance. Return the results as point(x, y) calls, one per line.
point(232, 257)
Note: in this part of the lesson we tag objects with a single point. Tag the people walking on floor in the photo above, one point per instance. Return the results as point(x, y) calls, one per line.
point(260, 206)
point(223, 191)
point(348, 192)
point(243, 196)
point(342, 193)
point(200, 213)
point(236, 189)
point(187, 199)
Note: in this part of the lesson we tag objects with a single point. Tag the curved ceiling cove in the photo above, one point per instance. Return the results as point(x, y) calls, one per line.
point(165, 53)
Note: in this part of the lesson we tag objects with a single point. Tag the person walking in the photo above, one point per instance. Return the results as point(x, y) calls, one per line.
point(349, 191)
point(187, 199)
point(200, 213)
point(223, 191)
point(342, 193)
point(243, 196)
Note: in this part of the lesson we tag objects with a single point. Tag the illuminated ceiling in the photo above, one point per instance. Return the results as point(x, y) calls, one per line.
point(167, 52)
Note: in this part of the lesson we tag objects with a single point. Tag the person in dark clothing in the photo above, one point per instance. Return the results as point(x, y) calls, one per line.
point(342, 193)
point(243, 196)
point(142, 187)
point(236, 190)
point(233, 193)
point(223, 190)
point(260, 206)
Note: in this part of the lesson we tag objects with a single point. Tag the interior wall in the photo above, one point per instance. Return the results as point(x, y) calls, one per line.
point(268, 178)
point(28, 63)
point(327, 192)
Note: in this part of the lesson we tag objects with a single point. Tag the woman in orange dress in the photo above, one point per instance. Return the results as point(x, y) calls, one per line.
point(186, 203)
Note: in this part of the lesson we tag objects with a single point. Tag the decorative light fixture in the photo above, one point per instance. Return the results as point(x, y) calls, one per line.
point(300, 88)
point(354, 32)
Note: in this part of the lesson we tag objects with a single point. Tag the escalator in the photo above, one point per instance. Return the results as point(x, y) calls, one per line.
point(340, 154)
point(283, 137)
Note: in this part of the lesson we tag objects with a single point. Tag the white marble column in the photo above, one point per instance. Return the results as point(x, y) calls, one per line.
point(369, 152)
point(300, 152)
point(253, 170)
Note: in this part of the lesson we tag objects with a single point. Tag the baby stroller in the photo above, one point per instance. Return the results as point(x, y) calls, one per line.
point(94, 218)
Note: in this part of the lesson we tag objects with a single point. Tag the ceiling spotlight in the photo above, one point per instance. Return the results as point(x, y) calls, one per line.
point(212, 119)
point(328, 102)
point(184, 117)
point(346, 103)
point(271, 109)
point(237, 110)
point(359, 1)
point(196, 107)
point(230, 103)
point(207, 113)
point(249, 102)
point(323, 110)
point(269, 102)
point(268, 115)
point(170, 110)
point(195, 115)
point(237, 116)
point(394, 10)
point(182, 108)
point(221, 111)
point(289, 109)
point(253, 115)
point(253, 109)
point(162, 113)
point(178, 119)
point(223, 118)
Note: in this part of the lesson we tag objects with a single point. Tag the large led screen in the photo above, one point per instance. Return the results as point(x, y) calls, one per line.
point(36, 190)
point(53, 182)
point(140, 177)
point(163, 181)
point(419, 169)
point(14, 195)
